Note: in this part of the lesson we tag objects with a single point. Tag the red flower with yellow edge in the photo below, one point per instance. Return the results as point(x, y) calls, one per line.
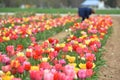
point(89, 65)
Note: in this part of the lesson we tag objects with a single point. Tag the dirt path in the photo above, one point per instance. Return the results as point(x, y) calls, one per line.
point(60, 36)
point(111, 71)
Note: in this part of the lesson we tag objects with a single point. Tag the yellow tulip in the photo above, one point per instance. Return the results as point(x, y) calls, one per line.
point(71, 59)
point(93, 65)
point(45, 59)
point(87, 42)
point(73, 64)
point(12, 24)
point(82, 66)
point(76, 69)
point(62, 45)
point(28, 50)
point(34, 68)
point(20, 54)
point(70, 48)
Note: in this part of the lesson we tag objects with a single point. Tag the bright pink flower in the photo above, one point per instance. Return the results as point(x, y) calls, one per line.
point(62, 61)
point(82, 74)
point(16, 79)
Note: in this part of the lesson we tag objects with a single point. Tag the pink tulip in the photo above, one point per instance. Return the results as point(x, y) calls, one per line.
point(79, 50)
point(69, 71)
point(6, 68)
point(62, 61)
point(16, 79)
point(48, 75)
point(33, 39)
point(20, 69)
point(36, 75)
point(10, 50)
point(44, 65)
point(82, 74)
point(65, 49)
point(5, 59)
point(89, 72)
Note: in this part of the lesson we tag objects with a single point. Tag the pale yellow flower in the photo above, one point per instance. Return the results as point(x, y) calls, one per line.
point(20, 54)
point(45, 59)
point(73, 64)
point(93, 65)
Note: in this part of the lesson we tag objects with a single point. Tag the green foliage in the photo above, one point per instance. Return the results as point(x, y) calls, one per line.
point(56, 11)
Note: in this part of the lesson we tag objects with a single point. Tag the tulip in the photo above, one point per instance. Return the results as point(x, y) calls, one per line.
point(27, 66)
point(82, 66)
point(36, 75)
point(48, 75)
point(16, 79)
point(89, 65)
point(82, 74)
point(6, 68)
point(89, 72)
point(20, 69)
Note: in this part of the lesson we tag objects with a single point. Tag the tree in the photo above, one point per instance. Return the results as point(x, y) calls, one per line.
point(111, 3)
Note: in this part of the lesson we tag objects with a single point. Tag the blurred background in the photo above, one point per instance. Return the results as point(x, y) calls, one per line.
point(59, 3)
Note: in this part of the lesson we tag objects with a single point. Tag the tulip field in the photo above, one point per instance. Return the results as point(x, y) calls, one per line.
point(29, 52)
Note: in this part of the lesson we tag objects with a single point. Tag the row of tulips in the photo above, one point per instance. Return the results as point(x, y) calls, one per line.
point(10, 21)
point(71, 60)
point(40, 29)
point(16, 31)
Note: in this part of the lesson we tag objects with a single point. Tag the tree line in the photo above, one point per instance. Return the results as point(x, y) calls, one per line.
point(53, 3)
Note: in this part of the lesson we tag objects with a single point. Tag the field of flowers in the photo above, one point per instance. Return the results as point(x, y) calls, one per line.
point(24, 56)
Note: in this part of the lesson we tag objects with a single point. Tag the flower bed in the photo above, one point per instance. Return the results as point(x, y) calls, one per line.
point(77, 58)
point(20, 34)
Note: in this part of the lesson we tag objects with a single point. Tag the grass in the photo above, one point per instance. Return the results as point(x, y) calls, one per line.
point(58, 10)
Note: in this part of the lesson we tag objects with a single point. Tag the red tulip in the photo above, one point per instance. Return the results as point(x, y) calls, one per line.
point(27, 66)
point(89, 65)
point(19, 47)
